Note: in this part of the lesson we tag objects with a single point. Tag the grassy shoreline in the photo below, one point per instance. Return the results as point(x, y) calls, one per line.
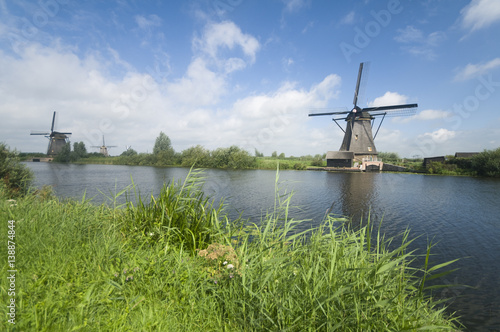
point(175, 262)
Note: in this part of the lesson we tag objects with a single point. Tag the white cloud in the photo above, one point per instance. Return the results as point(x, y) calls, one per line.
point(198, 81)
point(132, 109)
point(439, 136)
point(409, 34)
point(480, 14)
point(474, 70)
point(417, 43)
point(226, 35)
point(389, 98)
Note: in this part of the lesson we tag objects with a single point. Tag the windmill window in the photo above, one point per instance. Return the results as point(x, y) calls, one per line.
point(369, 148)
point(356, 137)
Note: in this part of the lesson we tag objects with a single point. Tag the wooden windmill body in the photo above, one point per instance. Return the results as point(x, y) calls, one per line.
point(358, 145)
point(57, 140)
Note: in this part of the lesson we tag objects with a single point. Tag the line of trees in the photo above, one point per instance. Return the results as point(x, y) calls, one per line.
point(486, 163)
point(164, 154)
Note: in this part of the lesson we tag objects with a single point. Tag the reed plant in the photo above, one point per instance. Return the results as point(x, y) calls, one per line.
point(83, 267)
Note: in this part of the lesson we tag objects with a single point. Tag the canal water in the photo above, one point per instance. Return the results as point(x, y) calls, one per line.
point(460, 215)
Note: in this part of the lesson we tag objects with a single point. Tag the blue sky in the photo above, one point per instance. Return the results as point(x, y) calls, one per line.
point(224, 72)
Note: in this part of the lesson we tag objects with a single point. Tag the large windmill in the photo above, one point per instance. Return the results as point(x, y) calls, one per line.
point(57, 139)
point(358, 143)
point(103, 149)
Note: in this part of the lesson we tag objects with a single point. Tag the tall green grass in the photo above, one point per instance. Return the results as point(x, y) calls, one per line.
point(83, 267)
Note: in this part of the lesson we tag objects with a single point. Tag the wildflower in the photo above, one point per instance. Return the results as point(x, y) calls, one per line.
point(151, 234)
point(125, 271)
point(231, 276)
point(225, 262)
point(230, 266)
point(116, 274)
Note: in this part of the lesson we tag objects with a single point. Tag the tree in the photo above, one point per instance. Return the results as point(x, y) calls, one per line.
point(162, 144)
point(64, 156)
point(79, 151)
point(281, 156)
point(163, 151)
point(258, 154)
point(274, 154)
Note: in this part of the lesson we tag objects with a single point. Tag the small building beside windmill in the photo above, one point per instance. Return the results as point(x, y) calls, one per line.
point(339, 159)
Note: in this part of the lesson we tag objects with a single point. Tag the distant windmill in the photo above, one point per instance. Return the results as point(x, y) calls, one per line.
point(358, 137)
point(57, 140)
point(103, 149)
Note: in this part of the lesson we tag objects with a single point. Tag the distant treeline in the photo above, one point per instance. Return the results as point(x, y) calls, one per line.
point(164, 154)
point(486, 163)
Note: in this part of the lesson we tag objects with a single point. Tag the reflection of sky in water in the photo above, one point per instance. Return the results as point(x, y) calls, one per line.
point(459, 214)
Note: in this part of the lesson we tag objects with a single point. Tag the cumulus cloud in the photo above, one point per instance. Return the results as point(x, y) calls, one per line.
point(439, 136)
point(389, 98)
point(131, 109)
point(227, 35)
point(474, 70)
point(480, 14)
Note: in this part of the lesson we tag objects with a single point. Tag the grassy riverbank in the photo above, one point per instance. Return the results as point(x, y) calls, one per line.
point(175, 263)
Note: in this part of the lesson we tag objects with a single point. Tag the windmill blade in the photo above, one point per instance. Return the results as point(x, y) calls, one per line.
point(401, 112)
point(328, 113)
point(53, 121)
point(361, 83)
point(39, 133)
point(332, 111)
point(388, 108)
point(355, 101)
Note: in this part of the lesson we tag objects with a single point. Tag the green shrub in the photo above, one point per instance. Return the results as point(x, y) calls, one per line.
point(487, 163)
point(16, 178)
point(299, 166)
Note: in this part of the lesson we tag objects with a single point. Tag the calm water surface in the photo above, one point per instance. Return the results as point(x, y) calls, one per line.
point(460, 214)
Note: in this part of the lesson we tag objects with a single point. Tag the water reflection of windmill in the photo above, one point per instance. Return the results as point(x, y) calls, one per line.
point(57, 139)
point(103, 149)
point(358, 143)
